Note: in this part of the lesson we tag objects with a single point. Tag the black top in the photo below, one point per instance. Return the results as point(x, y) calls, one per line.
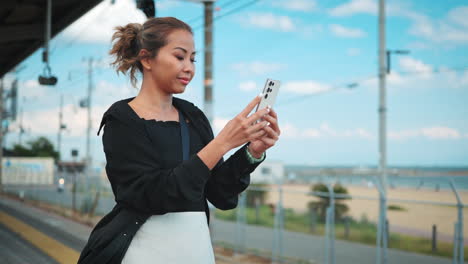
point(168, 139)
point(148, 176)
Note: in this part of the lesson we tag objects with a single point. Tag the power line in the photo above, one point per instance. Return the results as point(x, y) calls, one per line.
point(192, 20)
point(436, 70)
point(349, 85)
point(353, 85)
point(232, 11)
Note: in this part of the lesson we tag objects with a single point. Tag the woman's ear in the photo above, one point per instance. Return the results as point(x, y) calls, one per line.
point(145, 59)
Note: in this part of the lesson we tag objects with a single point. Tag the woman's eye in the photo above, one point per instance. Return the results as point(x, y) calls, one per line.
point(193, 60)
point(180, 58)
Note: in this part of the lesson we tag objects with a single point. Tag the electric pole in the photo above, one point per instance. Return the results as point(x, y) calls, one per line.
point(88, 104)
point(382, 97)
point(21, 130)
point(208, 80)
point(61, 126)
point(382, 234)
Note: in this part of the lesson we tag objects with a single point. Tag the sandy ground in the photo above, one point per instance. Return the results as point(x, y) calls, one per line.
point(417, 216)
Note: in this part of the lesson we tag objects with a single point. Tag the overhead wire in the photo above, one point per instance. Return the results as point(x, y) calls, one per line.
point(230, 12)
point(192, 20)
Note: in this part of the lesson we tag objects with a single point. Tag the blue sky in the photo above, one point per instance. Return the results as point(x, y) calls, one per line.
point(316, 48)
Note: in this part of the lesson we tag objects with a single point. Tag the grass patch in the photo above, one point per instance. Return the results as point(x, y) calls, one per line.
point(394, 207)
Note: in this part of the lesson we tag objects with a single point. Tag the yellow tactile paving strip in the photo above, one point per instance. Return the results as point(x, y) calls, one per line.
point(48, 245)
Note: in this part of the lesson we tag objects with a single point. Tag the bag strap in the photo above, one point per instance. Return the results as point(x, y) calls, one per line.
point(184, 133)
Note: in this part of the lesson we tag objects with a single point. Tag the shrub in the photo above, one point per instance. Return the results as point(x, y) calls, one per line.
point(320, 206)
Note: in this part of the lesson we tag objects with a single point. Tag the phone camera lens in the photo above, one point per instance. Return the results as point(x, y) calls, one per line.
point(266, 96)
point(271, 83)
point(269, 90)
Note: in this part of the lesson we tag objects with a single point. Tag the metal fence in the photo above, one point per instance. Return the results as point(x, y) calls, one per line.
point(284, 230)
point(329, 234)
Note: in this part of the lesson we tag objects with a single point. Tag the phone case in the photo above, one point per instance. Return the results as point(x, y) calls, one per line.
point(270, 91)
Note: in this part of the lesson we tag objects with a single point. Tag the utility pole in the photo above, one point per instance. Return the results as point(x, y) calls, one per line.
point(382, 97)
point(382, 232)
point(61, 126)
point(208, 80)
point(1, 134)
point(21, 129)
point(88, 104)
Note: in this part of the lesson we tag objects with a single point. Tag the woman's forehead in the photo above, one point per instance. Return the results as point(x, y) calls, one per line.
point(181, 38)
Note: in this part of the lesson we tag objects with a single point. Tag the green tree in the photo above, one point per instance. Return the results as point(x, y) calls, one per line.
point(40, 147)
point(320, 206)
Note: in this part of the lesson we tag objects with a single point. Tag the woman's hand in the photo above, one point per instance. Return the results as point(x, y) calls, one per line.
point(243, 128)
point(272, 132)
point(238, 131)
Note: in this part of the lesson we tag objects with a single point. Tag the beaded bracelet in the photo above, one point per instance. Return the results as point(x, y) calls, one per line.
point(252, 159)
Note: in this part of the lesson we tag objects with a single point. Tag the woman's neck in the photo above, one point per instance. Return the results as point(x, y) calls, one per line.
point(153, 101)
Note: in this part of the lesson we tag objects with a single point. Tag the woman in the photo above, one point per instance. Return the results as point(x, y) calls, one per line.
point(163, 162)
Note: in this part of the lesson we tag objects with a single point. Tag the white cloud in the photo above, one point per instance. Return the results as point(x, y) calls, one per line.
point(297, 5)
point(355, 7)
point(440, 133)
point(45, 122)
point(248, 86)
point(411, 73)
point(363, 133)
point(219, 123)
point(463, 82)
point(257, 67)
point(446, 30)
point(312, 133)
point(346, 32)
point(97, 26)
point(409, 64)
point(31, 89)
point(306, 87)
point(451, 29)
point(289, 130)
point(435, 133)
point(403, 134)
point(270, 21)
point(353, 51)
point(459, 15)
point(112, 92)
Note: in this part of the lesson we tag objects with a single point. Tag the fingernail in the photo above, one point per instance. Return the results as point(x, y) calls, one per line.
point(269, 106)
point(268, 123)
point(268, 110)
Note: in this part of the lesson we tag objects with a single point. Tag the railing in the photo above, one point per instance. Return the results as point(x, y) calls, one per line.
point(277, 250)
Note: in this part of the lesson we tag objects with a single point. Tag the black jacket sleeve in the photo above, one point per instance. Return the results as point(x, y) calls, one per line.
point(139, 183)
point(229, 178)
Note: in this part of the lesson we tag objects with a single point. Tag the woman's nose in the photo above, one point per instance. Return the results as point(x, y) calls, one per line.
point(189, 67)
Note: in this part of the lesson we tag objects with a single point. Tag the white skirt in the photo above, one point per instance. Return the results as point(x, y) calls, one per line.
point(172, 238)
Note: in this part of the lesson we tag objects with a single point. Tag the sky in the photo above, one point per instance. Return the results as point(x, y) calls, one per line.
point(316, 48)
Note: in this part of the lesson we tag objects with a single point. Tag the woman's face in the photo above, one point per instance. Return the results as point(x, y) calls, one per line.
point(173, 67)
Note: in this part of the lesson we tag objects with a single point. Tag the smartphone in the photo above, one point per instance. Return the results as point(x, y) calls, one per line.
point(270, 91)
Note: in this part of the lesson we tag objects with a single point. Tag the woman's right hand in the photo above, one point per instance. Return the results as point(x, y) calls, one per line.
point(243, 128)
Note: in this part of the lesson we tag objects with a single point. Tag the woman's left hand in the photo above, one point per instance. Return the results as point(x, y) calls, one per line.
point(269, 139)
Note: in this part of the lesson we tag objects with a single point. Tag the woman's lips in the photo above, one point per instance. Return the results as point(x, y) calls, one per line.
point(184, 81)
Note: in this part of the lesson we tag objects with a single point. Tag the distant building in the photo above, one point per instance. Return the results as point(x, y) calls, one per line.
point(270, 172)
point(28, 170)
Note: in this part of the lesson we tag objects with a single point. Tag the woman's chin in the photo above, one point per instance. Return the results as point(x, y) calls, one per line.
point(179, 91)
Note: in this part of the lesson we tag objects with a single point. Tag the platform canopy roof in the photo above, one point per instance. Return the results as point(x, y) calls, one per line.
point(22, 26)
